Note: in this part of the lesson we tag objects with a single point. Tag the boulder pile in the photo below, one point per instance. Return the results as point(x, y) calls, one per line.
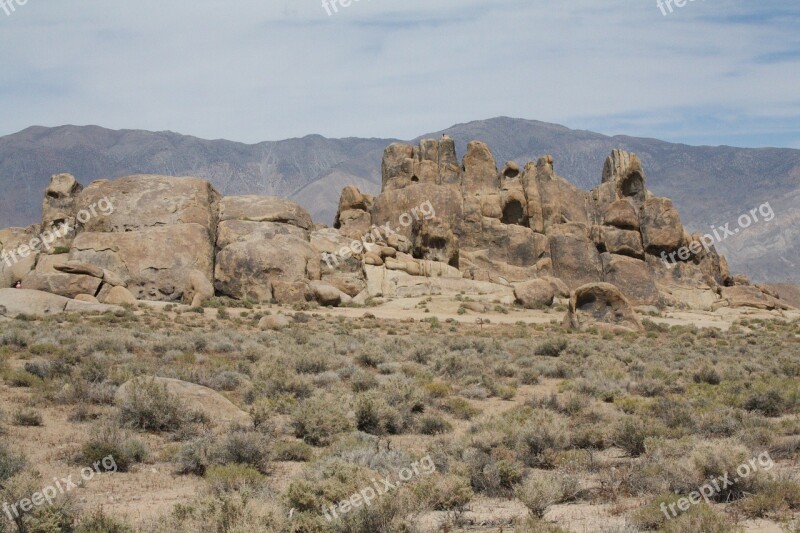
point(505, 233)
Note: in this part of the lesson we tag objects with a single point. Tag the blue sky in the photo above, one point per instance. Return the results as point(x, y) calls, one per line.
point(711, 72)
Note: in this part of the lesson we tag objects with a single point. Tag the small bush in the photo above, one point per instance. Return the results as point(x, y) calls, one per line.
point(552, 348)
point(769, 403)
point(108, 440)
point(234, 478)
point(543, 490)
point(28, 417)
point(319, 419)
point(10, 463)
point(149, 406)
point(434, 424)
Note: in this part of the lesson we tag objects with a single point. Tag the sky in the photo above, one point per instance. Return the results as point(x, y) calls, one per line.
point(711, 72)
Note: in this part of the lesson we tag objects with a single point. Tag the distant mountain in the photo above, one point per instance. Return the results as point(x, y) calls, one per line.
point(710, 185)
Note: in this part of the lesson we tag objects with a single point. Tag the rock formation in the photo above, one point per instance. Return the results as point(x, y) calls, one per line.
point(498, 233)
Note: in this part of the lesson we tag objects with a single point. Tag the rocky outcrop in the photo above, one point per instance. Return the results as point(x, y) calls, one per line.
point(14, 302)
point(264, 250)
point(603, 306)
point(509, 232)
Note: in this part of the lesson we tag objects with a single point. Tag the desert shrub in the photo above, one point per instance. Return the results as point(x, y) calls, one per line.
point(193, 457)
point(107, 440)
point(551, 348)
point(319, 419)
point(433, 424)
point(148, 406)
point(769, 403)
point(707, 374)
point(460, 408)
point(226, 380)
point(362, 381)
point(630, 434)
point(700, 518)
point(293, 451)
point(10, 463)
point(715, 460)
point(773, 497)
point(27, 417)
point(544, 489)
point(311, 363)
point(443, 492)
point(243, 447)
point(99, 522)
point(234, 478)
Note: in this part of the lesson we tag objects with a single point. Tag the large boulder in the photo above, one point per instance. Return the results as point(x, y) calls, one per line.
point(59, 208)
point(69, 282)
point(601, 305)
point(661, 226)
point(575, 258)
point(634, 278)
point(144, 201)
point(535, 294)
point(264, 250)
point(264, 209)
point(15, 302)
point(17, 259)
point(154, 263)
point(750, 296)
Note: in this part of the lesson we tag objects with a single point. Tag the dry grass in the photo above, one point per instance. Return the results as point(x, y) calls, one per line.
point(524, 413)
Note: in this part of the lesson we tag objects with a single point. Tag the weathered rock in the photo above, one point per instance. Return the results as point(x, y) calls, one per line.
point(621, 242)
point(661, 226)
point(231, 231)
point(14, 302)
point(560, 288)
point(249, 268)
point(534, 294)
point(624, 170)
point(291, 292)
point(115, 280)
point(274, 322)
point(86, 298)
point(264, 209)
point(146, 202)
point(575, 258)
point(326, 294)
point(622, 214)
point(67, 285)
point(154, 263)
point(750, 296)
point(480, 169)
point(194, 397)
point(397, 167)
point(199, 288)
point(119, 296)
point(76, 267)
point(633, 277)
point(601, 305)
point(59, 208)
point(16, 262)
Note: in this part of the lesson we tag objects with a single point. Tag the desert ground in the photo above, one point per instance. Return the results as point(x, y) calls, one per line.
point(447, 414)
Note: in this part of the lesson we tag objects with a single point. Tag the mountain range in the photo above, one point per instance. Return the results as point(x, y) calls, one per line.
point(710, 186)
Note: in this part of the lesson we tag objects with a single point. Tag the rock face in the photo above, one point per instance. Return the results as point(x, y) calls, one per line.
point(506, 232)
point(601, 305)
point(511, 224)
point(264, 250)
